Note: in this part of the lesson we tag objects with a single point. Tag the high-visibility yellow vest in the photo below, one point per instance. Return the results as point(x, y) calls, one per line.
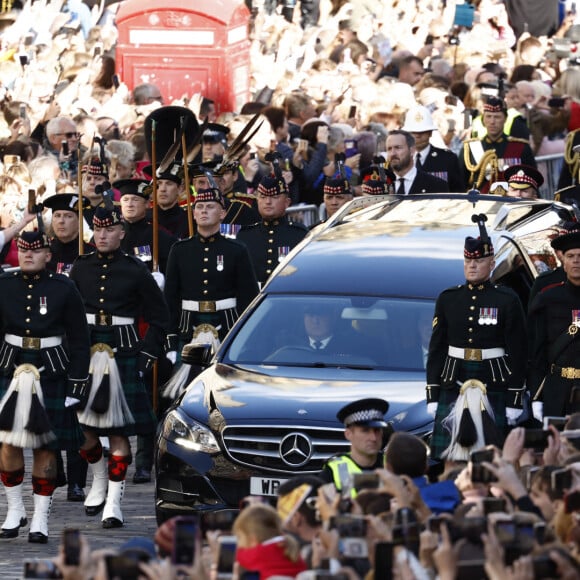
point(478, 131)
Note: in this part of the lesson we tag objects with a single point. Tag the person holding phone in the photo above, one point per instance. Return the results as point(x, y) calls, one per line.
point(479, 333)
point(43, 378)
point(554, 319)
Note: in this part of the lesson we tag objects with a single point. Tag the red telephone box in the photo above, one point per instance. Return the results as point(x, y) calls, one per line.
point(186, 47)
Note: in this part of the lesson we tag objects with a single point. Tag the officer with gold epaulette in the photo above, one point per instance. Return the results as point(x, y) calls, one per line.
point(116, 289)
point(44, 368)
point(270, 240)
point(554, 319)
point(478, 340)
point(365, 429)
point(483, 161)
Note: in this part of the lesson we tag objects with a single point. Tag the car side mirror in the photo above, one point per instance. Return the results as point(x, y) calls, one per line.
point(197, 354)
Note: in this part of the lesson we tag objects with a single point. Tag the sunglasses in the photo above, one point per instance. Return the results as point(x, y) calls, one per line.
point(68, 135)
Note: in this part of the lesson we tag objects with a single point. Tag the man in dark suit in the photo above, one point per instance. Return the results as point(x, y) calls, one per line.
point(439, 162)
point(400, 155)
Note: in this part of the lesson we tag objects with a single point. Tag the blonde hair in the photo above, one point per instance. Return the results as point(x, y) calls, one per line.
point(262, 522)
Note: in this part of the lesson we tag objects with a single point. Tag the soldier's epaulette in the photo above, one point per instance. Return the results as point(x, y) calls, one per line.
point(246, 198)
point(518, 140)
point(453, 288)
point(298, 225)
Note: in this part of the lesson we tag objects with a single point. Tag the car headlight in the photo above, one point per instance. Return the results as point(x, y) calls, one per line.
point(189, 434)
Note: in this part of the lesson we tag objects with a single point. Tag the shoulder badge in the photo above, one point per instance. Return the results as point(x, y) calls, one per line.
point(518, 140)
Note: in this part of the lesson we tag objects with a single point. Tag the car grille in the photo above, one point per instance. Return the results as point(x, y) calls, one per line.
point(283, 449)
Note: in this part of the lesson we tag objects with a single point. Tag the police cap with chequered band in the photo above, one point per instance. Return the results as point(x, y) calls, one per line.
point(364, 412)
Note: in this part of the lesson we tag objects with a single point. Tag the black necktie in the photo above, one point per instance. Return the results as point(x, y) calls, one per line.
point(401, 188)
point(418, 163)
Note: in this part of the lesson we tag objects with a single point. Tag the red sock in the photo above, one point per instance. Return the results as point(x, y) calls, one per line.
point(12, 478)
point(118, 465)
point(43, 486)
point(92, 455)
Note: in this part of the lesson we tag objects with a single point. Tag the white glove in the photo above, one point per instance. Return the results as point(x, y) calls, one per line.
point(432, 409)
point(172, 356)
point(159, 278)
point(70, 401)
point(538, 410)
point(512, 415)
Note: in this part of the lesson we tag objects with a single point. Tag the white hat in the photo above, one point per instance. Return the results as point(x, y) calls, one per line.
point(418, 119)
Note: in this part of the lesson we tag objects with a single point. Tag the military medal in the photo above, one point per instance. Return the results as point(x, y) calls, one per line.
point(143, 253)
point(573, 328)
point(220, 263)
point(62, 268)
point(283, 251)
point(488, 316)
point(42, 309)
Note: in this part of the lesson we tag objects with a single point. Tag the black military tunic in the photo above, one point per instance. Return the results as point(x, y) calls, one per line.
point(138, 242)
point(473, 317)
point(268, 242)
point(509, 151)
point(63, 255)
point(117, 284)
point(173, 220)
point(555, 357)
point(208, 270)
point(37, 306)
point(241, 209)
point(546, 280)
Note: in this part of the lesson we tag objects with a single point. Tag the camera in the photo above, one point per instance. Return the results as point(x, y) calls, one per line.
point(365, 481)
point(572, 502)
point(493, 504)
point(558, 422)
point(480, 474)
point(481, 455)
point(185, 540)
point(226, 557)
point(536, 439)
point(561, 480)
point(352, 531)
point(119, 566)
point(222, 520)
point(71, 541)
point(40, 569)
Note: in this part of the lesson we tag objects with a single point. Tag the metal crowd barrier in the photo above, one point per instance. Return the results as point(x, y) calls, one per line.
point(550, 167)
point(305, 214)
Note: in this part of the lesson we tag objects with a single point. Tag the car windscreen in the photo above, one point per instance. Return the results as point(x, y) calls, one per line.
point(335, 331)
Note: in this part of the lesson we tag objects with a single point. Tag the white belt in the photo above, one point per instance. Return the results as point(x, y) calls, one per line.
point(108, 320)
point(208, 305)
point(475, 353)
point(32, 343)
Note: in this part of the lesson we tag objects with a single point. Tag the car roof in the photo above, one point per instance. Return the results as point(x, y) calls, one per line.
point(410, 246)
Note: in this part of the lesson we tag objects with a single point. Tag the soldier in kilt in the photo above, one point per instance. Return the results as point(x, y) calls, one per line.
point(478, 343)
point(44, 366)
point(210, 281)
point(116, 289)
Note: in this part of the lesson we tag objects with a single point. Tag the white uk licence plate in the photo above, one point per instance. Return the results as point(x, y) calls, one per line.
point(265, 485)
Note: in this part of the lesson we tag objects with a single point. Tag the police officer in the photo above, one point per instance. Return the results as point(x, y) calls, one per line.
point(478, 333)
point(64, 250)
point(554, 319)
point(364, 422)
point(172, 217)
point(138, 238)
point(271, 239)
point(44, 369)
point(490, 155)
point(116, 289)
point(210, 278)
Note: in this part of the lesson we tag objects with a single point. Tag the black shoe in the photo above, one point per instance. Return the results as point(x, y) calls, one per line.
point(37, 538)
point(112, 523)
point(75, 493)
point(12, 532)
point(142, 476)
point(94, 510)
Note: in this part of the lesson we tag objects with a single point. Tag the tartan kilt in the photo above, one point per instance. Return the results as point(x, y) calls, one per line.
point(63, 420)
point(441, 437)
point(135, 393)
